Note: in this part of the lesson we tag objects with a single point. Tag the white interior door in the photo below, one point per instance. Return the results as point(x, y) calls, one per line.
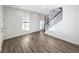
point(41, 24)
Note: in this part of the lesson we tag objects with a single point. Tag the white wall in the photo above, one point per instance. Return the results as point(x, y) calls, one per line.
point(13, 22)
point(68, 28)
point(1, 26)
point(71, 23)
point(57, 30)
point(35, 22)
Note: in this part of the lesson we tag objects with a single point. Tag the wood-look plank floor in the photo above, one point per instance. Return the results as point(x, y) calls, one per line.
point(38, 42)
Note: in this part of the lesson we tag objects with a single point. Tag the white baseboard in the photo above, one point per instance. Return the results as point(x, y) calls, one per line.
point(8, 37)
point(61, 37)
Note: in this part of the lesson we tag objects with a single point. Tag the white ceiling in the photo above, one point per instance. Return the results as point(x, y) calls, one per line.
point(42, 9)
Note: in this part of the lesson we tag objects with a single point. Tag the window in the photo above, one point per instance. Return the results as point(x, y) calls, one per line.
point(25, 23)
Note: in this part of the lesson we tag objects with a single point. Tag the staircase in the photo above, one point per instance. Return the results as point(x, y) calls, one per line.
point(54, 18)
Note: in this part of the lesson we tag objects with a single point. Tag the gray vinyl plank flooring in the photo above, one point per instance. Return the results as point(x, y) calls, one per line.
point(38, 42)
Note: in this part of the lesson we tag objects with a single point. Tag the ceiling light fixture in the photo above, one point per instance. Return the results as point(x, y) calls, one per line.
point(44, 6)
